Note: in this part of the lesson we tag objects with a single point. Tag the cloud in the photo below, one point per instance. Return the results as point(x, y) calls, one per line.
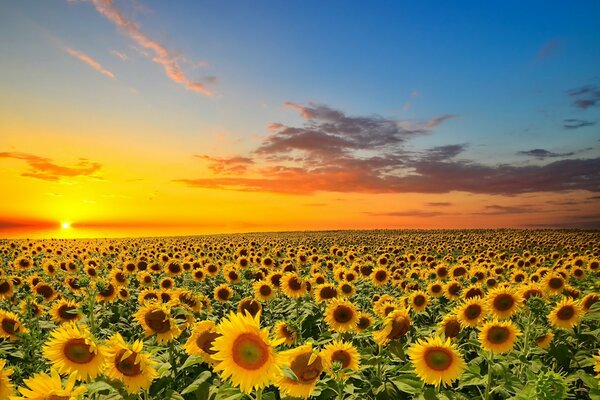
point(496, 209)
point(160, 54)
point(233, 165)
point(43, 168)
point(548, 49)
point(439, 204)
point(541, 153)
point(333, 152)
point(585, 96)
point(89, 61)
point(119, 55)
point(576, 123)
point(407, 213)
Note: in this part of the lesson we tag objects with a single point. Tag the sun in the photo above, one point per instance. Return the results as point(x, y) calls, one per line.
point(65, 225)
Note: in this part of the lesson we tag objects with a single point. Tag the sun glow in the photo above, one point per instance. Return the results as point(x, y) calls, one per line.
point(65, 225)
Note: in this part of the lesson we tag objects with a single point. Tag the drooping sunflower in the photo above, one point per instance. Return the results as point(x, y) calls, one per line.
point(292, 285)
point(436, 361)
point(156, 318)
point(6, 387)
point(71, 348)
point(284, 331)
point(244, 353)
point(65, 310)
point(396, 325)
point(341, 352)
point(418, 301)
point(498, 336)
point(201, 341)
point(566, 314)
point(341, 315)
point(471, 312)
point(188, 299)
point(44, 386)
point(503, 302)
point(10, 325)
point(263, 291)
point(107, 292)
point(544, 340)
point(129, 364)
point(306, 365)
point(589, 300)
point(222, 293)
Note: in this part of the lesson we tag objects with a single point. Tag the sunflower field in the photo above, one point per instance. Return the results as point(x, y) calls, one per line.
point(490, 314)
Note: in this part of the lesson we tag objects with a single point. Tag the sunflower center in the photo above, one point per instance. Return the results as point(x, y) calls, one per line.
point(343, 314)
point(294, 283)
point(109, 291)
point(127, 366)
point(63, 312)
point(555, 283)
point(252, 306)
point(419, 300)
point(205, 341)
point(399, 328)
point(380, 276)
point(223, 294)
point(250, 352)
point(454, 288)
point(4, 287)
point(452, 329)
point(498, 334)
point(306, 373)
point(438, 358)
point(158, 321)
point(44, 290)
point(503, 302)
point(78, 351)
point(328, 292)
point(364, 323)
point(473, 311)
point(341, 356)
point(473, 292)
point(265, 290)
point(565, 313)
point(436, 288)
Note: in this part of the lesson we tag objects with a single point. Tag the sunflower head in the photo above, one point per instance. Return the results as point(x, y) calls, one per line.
point(44, 386)
point(201, 341)
point(341, 315)
point(504, 302)
point(129, 364)
point(471, 312)
point(306, 366)
point(566, 314)
point(396, 325)
point(436, 361)
point(249, 305)
point(498, 336)
point(155, 318)
point(343, 353)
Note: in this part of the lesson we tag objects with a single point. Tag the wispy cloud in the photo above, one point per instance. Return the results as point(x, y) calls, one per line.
point(406, 213)
point(585, 96)
point(496, 209)
point(576, 123)
point(159, 53)
point(89, 61)
point(549, 49)
point(45, 169)
point(120, 55)
point(223, 165)
point(542, 153)
point(331, 151)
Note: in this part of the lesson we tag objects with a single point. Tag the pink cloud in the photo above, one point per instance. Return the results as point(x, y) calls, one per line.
point(89, 61)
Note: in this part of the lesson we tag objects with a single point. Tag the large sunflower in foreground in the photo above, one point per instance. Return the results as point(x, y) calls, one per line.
point(306, 365)
point(341, 315)
point(396, 324)
point(436, 361)
point(156, 318)
point(6, 388)
point(566, 314)
point(244, 353)
point(342, 352)
point(72, 349)
point(201, 341)
point(128, 364)
point(498, 336)
point(43, 386)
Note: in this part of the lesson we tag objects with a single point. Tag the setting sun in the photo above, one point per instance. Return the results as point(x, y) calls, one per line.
point(65, 225)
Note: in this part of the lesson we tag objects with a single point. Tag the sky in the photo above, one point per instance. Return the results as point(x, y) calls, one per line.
point(147, 118)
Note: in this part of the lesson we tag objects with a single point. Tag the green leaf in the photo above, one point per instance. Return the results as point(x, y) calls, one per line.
point(408, 384)
point(192, 360)
point(192, 387)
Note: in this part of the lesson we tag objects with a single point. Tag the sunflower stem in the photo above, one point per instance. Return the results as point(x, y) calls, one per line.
point(340, 385)
point(91, 314)
point(259, 394)
point(526, 340)
point(172, 360)
point(489, 377)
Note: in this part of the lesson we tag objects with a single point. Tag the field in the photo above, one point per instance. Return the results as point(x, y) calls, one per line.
point(489, 314)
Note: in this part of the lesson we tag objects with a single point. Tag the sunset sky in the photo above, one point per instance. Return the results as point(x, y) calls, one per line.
point(133, 117)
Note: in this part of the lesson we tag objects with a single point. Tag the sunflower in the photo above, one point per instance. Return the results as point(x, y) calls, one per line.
point(156, 319)
point(198, 274)
point(346, 289)
point(167, 283)
point(71, 348)
point(589, 300)
point(452, 290)
point(597, 366)
point(201, 341)
point(436, 361)
point(418, 301)
point(6, 288)
point(43, 386)
point(6, 387)
point(341, 315)
point(222, 293)
point(325, 292)
point(471, 312)
point(450, 326)
point(45, 290)
point(380, 276)
point(286, 332)
point(364, 321)
point(107, 292)
point(231, 275)
point(10, 325)
point(566, 314)
point(128, 364)
point(553, 283)
point(188, 299)
point(244, 353)
point(147, 295)
point(248, 304)
point(435, 289)
point(396, 325)
point(65, 310)
point(292, 285)
point(498, 336)
point(263, 291)
point(544, 340)
point(341, 352)
point(119, 277)
point(504, 302)
point(306, 365)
